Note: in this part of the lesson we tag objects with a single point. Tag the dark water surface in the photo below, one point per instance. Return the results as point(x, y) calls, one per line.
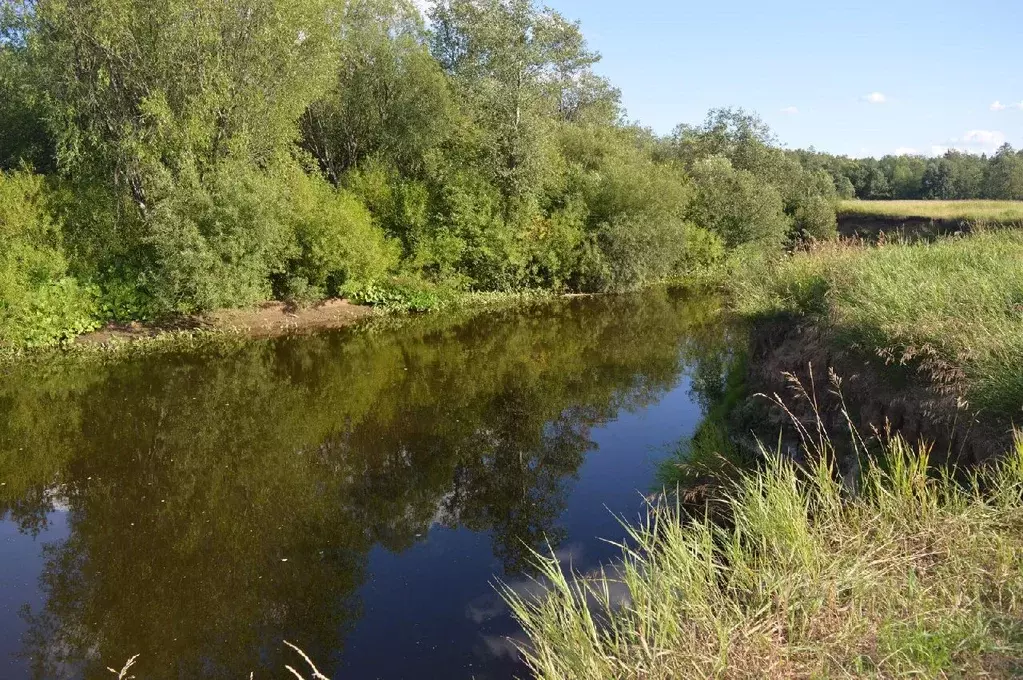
point(357, 493)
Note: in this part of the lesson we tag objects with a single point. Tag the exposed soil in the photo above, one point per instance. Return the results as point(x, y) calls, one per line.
point(877, 396)
point(871, 227)
point(266, 320)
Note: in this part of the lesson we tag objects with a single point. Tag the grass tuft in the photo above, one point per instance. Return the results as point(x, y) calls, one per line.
point(913, 575)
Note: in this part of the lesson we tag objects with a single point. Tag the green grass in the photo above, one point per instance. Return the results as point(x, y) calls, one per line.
point(913, 576)
point(991, 212)
point(952, 308)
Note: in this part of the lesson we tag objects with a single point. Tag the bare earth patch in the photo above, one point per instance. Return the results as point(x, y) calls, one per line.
point(266, 320)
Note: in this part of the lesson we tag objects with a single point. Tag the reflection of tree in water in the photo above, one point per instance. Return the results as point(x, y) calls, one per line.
point(191, 480)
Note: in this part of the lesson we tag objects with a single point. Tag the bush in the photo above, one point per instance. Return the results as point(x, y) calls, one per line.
point(409, 295)
point(702, 250)
point(641, 249)
point(216, 242)
point(338, 240)
point(815, 219)
point(736, 206)
point(554, 246)
point(39, 302)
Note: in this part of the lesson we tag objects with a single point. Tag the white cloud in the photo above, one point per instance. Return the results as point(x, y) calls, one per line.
point(1017, 105)
point(791, 110)
point(875, 98)
point(906, 151)
point(972, 141)
point(997, 106)
point(984, 138)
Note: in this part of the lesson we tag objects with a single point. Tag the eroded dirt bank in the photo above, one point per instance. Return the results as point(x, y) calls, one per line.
point(870, 227)
point(265, 320)
point(875, 395)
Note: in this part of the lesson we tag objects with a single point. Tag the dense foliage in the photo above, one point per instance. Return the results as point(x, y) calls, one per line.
point(196, 154)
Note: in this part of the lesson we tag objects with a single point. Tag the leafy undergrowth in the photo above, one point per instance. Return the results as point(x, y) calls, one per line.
point(991, 212)
point(912, 575)
point(413, 295)
point(953, 308)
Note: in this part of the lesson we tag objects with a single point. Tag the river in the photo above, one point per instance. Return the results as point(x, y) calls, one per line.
point(357, 492)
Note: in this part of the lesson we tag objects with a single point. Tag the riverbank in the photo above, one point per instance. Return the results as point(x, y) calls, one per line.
point(922, 339)
point(950, 310)
point(894, 551)
point(268, 320)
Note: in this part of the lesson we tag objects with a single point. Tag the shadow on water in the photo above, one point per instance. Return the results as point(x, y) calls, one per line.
point(355, 492)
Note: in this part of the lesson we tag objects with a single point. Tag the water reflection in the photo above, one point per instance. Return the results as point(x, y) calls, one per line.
point(217, 504)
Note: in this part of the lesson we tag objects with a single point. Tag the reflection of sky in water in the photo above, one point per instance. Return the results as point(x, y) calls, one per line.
point(361, 491)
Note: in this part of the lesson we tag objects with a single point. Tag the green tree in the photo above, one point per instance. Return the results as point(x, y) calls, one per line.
point(1004, 175)
point(188, 109)
point(517, 68)
point(389, 97)
point(24, 138)
point(39, 302)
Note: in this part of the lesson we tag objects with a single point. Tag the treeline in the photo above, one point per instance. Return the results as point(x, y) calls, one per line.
point(170, 157)
point(954, 175)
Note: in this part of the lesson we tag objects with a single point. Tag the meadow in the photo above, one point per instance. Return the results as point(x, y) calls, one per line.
point(993, 212)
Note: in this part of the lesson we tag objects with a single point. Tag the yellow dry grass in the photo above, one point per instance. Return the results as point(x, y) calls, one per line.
point(1001, 212)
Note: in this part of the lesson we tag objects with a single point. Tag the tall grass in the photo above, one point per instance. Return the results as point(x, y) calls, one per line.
point(953, 307)
point(973, 211)
point(912, 575)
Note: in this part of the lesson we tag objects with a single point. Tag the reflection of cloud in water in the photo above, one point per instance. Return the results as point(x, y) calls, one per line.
point(503, 647)
point(490, 606)
point(486, 608)
point(569, 554)
point(57, 497)
point(617, 590)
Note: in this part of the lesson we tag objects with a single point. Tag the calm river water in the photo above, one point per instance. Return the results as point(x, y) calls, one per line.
point(358, 493)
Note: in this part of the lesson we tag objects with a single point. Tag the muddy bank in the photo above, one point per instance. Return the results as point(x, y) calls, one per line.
point(266, 320)
point(877, 396)
point(871, 227)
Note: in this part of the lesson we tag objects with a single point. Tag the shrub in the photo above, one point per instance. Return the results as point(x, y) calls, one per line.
point(338, 240)
point(39, 302)
point(815, 219)
point(409, 295)
point(554, 244)
point(216, 242)
point(735, 205)
point(702, 250)
point(641, 249)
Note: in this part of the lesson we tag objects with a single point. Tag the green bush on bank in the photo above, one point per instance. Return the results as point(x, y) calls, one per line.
point(39, 302)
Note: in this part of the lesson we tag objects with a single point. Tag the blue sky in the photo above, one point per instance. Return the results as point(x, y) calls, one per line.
point(809, 68)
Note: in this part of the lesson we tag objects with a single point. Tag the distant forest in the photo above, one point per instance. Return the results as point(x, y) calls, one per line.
point(954, 176)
